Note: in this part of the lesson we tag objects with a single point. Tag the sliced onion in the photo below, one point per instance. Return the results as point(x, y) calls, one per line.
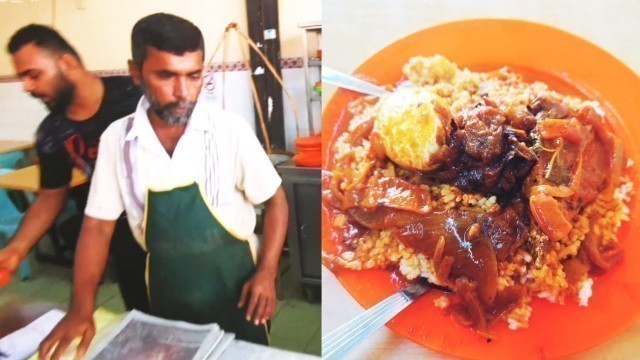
point(467, 292)
point(555, 191)
point(569, 130)
point(604, 259)
point(361, 132)
point(549, 216)
point(377, 147)
point(618, 162)
point(444, 268)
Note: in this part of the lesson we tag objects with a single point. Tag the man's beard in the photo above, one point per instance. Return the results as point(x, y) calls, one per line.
point(63, 94)
point(164, 112)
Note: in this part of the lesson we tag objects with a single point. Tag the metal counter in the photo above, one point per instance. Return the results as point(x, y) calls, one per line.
point(302, 187)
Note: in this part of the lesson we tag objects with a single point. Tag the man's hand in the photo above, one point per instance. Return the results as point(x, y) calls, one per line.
point(259, 294)
point(91, 256)
point(74, 325)
point(10, 259)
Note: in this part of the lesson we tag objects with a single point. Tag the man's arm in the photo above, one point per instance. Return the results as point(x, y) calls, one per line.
point(104, 205)
point(259, 292)
point(37, 220)
point(90, 260)
point(55, 175)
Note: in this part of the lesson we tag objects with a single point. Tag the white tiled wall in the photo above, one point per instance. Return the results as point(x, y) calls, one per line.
point(20, 114)
point(295, 83)
point(238, 97)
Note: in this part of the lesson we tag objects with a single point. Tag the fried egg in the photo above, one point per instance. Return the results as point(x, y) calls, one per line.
point(410, 123)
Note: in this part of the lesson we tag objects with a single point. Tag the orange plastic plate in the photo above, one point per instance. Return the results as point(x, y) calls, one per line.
point(308, 159)
point(570, 65)
point(308, 142)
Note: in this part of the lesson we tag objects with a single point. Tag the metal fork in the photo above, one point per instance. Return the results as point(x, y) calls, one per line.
point(342, 340)
point(331, 76)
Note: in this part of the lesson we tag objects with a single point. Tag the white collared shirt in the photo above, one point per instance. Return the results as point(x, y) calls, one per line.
point(218, 150)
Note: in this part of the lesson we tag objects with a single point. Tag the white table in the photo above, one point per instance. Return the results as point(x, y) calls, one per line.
point(356, 29)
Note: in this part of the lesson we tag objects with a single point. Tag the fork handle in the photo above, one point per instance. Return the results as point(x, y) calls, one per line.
point(339, 342)
point(350, 82)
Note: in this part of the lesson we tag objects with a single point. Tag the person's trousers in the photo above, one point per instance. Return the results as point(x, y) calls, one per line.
point(129, 262)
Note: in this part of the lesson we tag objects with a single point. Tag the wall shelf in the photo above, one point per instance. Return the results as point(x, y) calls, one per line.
point(311, 60)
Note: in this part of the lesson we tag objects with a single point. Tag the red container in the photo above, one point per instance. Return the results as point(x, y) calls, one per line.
point(309, 150)
point(5, 276)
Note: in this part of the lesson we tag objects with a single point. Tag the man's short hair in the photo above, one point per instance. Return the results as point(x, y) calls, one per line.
point(164, 32)
point(43, 37)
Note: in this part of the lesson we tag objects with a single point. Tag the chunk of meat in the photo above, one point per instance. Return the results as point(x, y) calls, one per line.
point(378, 191)
point(391, 193)
point(544, 108)
point(383, 217)
point(507, 229)
point(577, 154)
point(485, 154)
point(483, 133)
point(522, 119)
point(579, 160)
point(593, 167)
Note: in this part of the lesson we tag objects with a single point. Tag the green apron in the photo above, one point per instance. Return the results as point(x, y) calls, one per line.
point(195, 267)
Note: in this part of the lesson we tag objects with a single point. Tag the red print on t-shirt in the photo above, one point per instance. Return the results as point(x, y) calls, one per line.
point(83, 155)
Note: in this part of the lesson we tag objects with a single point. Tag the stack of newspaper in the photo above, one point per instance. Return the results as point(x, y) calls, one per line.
point(143, 337)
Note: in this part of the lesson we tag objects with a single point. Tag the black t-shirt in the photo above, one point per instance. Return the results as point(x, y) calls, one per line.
point(63, 143)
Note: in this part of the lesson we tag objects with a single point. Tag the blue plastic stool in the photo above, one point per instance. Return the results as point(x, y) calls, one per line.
point(10, 219)
point(9, 160)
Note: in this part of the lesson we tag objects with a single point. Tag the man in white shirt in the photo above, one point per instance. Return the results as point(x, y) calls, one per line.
point(188, 177)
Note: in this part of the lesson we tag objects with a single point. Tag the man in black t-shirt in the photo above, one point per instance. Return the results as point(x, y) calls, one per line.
point(63, 143)
point(82, 106)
